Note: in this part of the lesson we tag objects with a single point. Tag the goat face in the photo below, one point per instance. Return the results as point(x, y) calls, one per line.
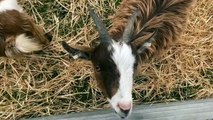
point(114, 64)
point(114, 68)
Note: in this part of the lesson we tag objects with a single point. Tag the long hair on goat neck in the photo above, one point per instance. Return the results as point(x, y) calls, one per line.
point(159, 23)
point(18, 32)
point(140, 28)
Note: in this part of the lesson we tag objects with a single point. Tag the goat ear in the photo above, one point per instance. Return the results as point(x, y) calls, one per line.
point(129, 29)
point(76, 53)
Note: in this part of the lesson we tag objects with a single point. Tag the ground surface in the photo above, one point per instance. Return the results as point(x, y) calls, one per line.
point(51, 83)
point(186, 110)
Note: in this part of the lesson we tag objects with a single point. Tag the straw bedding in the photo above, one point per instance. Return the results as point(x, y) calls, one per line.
point(50, 83)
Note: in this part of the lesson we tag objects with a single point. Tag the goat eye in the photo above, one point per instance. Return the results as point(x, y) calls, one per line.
point(98, 69)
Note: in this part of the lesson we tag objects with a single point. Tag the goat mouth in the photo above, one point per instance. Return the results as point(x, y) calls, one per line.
point(121, 114)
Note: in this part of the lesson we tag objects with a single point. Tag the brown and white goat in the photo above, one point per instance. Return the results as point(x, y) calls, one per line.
point(18, 32)
point(139, 29)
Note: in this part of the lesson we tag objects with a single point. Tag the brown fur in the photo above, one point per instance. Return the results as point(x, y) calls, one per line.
point(13, 23)
point(165, 18)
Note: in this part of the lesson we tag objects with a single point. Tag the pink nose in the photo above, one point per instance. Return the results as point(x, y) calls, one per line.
point(125, 105)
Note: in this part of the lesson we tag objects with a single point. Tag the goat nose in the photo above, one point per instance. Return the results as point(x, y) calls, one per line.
point(125, 107)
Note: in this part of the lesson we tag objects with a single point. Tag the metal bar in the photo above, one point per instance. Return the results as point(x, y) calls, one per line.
point(187, 110)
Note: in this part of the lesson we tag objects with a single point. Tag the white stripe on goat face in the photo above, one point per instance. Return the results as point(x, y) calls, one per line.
point(124, 59)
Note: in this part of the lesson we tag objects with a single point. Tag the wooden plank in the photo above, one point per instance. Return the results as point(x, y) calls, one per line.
point(188, 110)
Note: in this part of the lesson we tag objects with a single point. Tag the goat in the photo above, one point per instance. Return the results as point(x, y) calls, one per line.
point(140, 28)
point(18, 32)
